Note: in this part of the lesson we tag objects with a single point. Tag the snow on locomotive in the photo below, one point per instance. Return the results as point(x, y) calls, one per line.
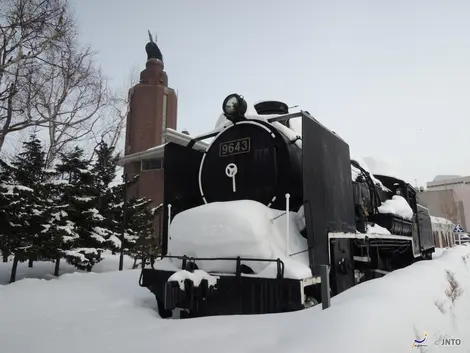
point(252, 217)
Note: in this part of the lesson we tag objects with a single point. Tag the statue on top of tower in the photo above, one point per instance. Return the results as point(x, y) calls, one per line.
point(152, 49)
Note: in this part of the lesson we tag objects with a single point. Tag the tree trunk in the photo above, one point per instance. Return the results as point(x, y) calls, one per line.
point(30, 263)
point(56, 267)
point(3, 136)
point(13, 270)
point(9, 116)
point(134, 265)
point(5, 257)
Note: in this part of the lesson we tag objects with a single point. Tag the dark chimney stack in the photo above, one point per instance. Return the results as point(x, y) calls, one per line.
point(271, 107)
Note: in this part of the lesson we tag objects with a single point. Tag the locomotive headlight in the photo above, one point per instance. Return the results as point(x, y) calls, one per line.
point(234, 106)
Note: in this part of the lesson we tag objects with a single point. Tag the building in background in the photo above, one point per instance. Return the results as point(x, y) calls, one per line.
point(443, 231)
point(448, 196)
point(152, 109)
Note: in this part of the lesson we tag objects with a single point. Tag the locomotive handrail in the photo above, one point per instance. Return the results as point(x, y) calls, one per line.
point(184, 258)
point(285, 117)
point(200, 138)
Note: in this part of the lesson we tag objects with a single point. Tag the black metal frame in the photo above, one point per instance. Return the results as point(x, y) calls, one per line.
point(233, 294)
point(188, 259)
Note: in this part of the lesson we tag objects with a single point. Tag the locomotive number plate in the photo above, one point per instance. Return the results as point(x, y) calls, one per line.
point(231, 148)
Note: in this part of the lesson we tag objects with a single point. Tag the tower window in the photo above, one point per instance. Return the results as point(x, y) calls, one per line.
point(151, 164)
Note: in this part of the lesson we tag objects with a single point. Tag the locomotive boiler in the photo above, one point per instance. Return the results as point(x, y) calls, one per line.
point(253, 160)
point(333, 211)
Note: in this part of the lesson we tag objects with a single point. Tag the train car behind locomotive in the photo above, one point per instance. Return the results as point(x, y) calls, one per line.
point(305, 204)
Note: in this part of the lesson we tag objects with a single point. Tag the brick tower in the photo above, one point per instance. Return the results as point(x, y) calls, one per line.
point(152, 109)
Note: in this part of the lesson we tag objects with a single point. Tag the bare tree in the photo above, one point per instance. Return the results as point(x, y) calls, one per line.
point(70, 93)
point(28, 28)
point(119, 109)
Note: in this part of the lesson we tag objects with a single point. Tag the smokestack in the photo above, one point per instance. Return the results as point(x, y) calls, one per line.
point(271, 107)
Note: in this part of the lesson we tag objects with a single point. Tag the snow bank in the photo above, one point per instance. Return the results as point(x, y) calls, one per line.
point(45, 269)
point(239, 228)
point(110, 313)
point(397, 205)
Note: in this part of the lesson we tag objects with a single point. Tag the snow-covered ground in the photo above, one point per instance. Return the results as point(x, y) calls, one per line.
point(45, 270)
point(109, 312)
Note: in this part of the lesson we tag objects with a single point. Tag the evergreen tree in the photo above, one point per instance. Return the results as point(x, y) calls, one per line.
point(59, 234)
point(79, 200)
point(104, 167)
point(104, 172)
point(30, 164)
point(134, 222)
point(28, 170)
point(141, 233)
point(7, 216)
point(15, 218)
point(23, 203)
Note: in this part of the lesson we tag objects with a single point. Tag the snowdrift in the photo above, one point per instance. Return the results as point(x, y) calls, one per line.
point(228, 229)
point(109, 312)
point(45, 270)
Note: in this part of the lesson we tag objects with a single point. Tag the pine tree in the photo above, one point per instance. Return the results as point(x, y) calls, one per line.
point(104, 172)
point(79, 199)
point(59, 234)
point(142, 240)
point(7, 216)
point(20, 222)
point(28, 170)
point(22, 195)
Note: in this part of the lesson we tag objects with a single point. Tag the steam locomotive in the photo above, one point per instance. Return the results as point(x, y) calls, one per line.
point(361, 226)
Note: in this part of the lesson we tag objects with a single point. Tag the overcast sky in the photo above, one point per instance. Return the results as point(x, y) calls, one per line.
point(391, 77)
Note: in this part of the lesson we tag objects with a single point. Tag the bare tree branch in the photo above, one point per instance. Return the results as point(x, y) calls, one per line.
point(118, 111)
point(28, 29)
point(71, 93)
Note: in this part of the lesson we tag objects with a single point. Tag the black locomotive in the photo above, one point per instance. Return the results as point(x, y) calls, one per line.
point(262, 159)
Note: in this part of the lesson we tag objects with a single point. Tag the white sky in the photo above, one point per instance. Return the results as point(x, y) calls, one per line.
point(391, 77)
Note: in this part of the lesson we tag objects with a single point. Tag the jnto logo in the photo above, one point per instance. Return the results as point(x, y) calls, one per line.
point(420, 343)
point(448, 342)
